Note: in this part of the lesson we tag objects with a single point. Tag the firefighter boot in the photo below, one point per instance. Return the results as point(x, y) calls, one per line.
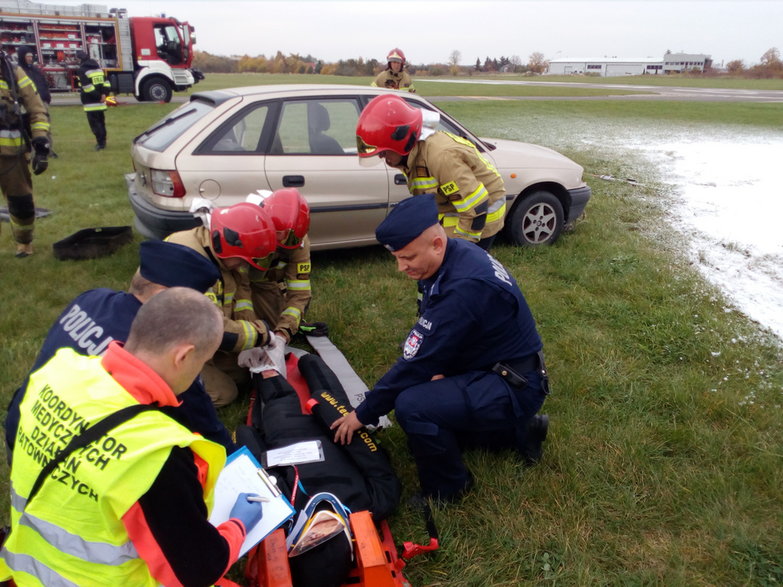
point(533, 447)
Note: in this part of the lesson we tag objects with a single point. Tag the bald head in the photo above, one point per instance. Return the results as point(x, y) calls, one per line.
point(174, 333)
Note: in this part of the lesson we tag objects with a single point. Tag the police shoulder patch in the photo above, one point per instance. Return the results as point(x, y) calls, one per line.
point(412, 344)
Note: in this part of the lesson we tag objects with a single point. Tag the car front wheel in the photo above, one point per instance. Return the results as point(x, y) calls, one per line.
point(536, 220)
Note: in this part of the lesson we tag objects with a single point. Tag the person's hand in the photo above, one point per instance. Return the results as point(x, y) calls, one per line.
point(345, 427)
point(256, 360)
point(275, 350)
point(438, 377)
point(247, 512)
point(41, 149)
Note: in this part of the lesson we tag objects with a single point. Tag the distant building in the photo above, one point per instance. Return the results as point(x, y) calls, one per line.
point(678, 62)
point(618, 66)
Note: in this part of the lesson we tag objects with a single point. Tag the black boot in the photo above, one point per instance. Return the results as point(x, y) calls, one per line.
point(533, 447)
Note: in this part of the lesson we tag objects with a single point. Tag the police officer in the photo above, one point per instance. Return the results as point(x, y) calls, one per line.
point(281, 294)
point(93, 90)
point(98, 316)
point(129, 505)
point(235, 239)
point(18, 94)
point(394, 77)
point(472, 371)
point(470, 193)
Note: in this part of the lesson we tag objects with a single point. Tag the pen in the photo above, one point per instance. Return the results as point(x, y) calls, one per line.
point(258, 498)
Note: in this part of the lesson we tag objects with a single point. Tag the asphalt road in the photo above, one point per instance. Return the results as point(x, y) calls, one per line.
point(650, 93)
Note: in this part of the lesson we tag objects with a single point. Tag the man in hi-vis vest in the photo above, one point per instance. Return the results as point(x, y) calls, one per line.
point(132, 507)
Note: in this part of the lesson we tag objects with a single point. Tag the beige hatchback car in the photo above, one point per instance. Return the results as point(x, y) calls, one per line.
point(225, 144)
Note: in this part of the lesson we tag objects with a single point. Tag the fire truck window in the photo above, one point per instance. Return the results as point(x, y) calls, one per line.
point(168, 44)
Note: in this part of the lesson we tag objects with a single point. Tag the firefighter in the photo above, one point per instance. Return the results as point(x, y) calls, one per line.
point(26, 58)
point(96, 317)
point(394, 77)
point(282, 293)
point(235, 238)
point(93, 90)
point(472, 371)
point(130, 505)
point(469, 191)
point(18, 94)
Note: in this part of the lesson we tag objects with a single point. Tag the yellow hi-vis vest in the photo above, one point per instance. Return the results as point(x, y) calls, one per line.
point(72, 533)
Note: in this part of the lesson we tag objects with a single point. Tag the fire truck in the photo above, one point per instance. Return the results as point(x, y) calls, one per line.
point(149, 57)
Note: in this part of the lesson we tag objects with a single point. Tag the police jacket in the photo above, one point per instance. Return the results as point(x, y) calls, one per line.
point(394, 81)
point(93, 85)
point(128, 509)
point(89, 323)
point(288, 277)
point(15, 93)
point(231, 293)
point(35, 74)
point(473, 315)
point(468, 189)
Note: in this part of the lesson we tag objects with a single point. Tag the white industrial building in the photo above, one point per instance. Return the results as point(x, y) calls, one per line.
point(618, 66)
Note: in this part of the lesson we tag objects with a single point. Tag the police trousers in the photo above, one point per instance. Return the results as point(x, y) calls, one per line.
point(477, 409)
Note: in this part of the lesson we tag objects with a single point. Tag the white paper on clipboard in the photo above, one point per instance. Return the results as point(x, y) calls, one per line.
point(243, 474)
point(298, 453)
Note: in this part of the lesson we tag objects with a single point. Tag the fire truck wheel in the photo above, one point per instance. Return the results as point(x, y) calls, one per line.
point(156, 90)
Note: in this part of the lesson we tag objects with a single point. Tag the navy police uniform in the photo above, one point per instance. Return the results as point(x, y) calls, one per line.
point(98, 316)
point(476, 328)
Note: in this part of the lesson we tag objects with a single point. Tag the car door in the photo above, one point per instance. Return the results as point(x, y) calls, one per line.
point(314, 149)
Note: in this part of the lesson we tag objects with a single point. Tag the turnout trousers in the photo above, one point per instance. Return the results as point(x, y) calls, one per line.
point(477, 409)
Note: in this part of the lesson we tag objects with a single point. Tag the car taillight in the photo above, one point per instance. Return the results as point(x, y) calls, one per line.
point(167, 183)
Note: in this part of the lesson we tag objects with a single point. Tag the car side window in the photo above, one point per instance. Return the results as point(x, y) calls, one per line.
point(241, 134)
point(318, 127)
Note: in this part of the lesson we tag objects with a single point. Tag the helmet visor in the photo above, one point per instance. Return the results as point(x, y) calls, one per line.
point(288, 240)
point(262, 263)
point(364, 149)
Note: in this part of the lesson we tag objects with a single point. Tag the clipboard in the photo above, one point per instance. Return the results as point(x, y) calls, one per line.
point(243, 474)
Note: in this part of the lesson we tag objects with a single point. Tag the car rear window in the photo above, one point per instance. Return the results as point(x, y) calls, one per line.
point(161, 134)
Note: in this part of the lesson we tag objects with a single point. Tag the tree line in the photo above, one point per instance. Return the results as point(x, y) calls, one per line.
point(770, 66)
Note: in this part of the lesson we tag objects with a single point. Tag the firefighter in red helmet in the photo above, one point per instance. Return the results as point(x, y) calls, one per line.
point(394, 77)
point(469, 191)
point(236, 239)
point(281, 293)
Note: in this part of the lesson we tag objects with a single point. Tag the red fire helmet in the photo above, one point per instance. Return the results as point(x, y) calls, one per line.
point(387, 123)
point(243, 231)
point(290, 214)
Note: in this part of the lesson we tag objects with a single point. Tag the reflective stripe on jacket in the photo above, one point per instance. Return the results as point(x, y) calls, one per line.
point(287, 281)
point(470, 193)
point(72, 533)
point(11, 138)
point(231, 293)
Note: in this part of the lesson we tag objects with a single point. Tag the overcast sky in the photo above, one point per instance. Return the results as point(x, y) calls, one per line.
point(430, 30)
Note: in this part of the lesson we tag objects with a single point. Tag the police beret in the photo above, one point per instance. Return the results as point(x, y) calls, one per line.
point(406, 221)
point(176, 265)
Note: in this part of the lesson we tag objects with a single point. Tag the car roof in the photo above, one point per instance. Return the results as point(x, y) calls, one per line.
point(220, 96)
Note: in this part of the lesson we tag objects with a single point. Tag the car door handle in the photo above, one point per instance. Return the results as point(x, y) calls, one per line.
point(399, 179)
point(293, 181)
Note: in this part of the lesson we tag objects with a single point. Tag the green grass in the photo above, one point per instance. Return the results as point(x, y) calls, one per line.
point(663, 465)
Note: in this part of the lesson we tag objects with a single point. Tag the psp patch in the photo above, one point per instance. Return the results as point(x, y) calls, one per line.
point(412, 344)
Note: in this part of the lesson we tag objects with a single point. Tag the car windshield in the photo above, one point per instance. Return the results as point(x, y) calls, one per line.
point(161, 134)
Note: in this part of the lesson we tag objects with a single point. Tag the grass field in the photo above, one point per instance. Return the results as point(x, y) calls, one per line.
point(663, 465)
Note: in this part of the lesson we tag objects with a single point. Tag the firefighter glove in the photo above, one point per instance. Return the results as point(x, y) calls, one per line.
point(41, 146)
point(247, 512)
point(40, 155)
